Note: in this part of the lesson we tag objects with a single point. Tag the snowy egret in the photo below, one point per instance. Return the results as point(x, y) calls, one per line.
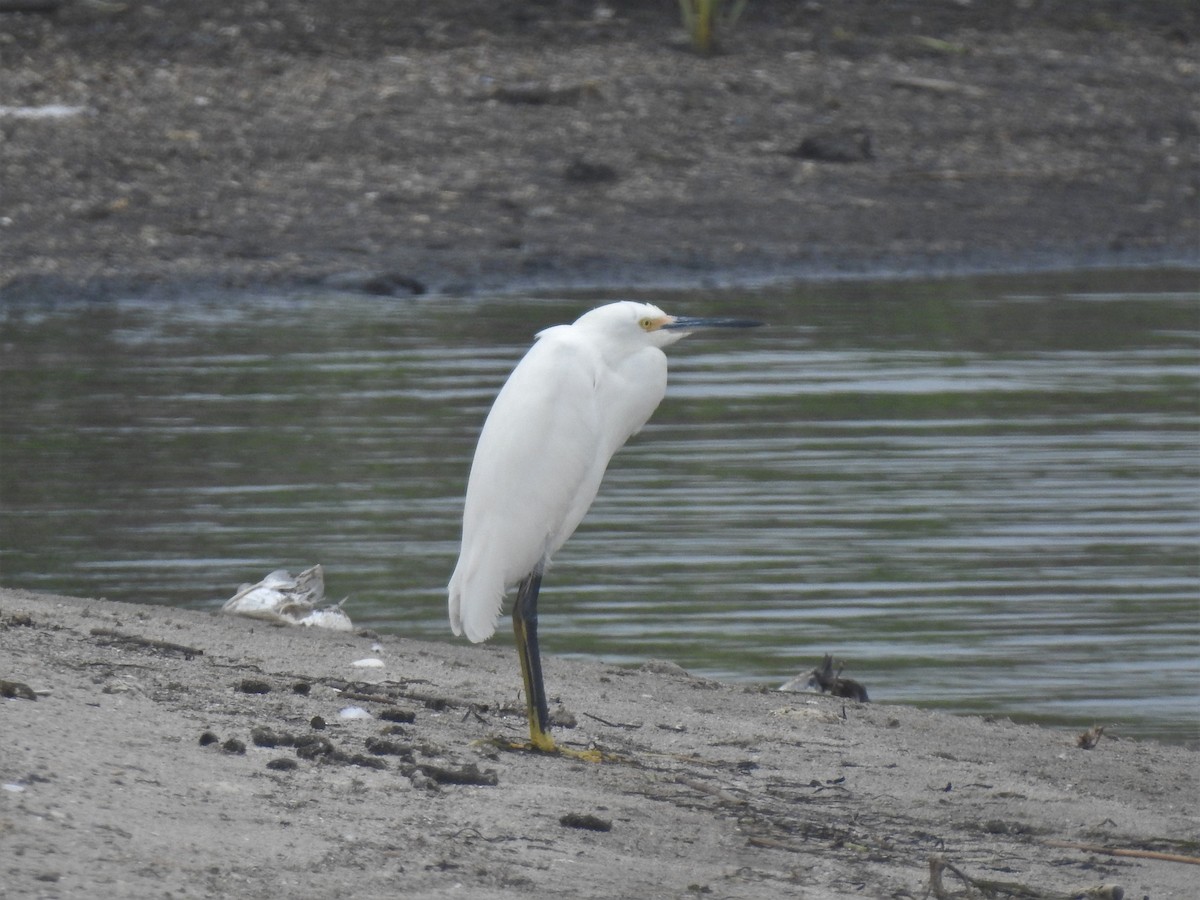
point(576, 397)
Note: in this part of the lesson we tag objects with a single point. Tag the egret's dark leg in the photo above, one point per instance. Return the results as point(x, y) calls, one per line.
point(525, 627)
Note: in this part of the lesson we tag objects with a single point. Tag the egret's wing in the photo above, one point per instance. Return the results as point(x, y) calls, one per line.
point(537, 468)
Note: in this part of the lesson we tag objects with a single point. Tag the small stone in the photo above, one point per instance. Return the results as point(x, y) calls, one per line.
point(585, 821)
point(393, 714)
point(848, 146)
point(582, 171)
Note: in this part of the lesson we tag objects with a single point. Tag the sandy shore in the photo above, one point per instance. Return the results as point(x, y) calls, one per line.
point(177, 753)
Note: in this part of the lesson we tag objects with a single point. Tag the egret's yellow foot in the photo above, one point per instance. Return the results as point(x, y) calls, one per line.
point(541, 740)
point(592, 755)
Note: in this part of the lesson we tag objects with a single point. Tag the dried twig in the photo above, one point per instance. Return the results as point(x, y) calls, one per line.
point(121, 641)
point(986, 888)
point(1126, 851)
point(629, 725)
point(937, 86)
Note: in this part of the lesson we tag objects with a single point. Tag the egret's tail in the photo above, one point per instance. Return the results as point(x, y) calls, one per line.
point(473, 611)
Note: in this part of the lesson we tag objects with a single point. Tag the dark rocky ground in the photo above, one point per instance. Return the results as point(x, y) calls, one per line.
point(462, 146)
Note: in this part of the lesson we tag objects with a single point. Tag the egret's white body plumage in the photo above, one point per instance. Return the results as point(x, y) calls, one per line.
point(573, 401)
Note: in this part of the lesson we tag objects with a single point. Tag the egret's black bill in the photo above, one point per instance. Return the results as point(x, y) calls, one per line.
point(693, 322)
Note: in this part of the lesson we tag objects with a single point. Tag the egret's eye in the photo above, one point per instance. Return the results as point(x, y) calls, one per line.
point(646, 323)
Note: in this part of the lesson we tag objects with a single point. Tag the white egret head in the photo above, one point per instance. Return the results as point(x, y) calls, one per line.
point(635, 324)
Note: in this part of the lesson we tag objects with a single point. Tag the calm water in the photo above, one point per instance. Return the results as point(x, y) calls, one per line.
point(983, 495)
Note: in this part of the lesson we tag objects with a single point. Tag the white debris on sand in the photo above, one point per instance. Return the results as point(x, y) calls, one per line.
point(49, 111)
point(289, 600)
